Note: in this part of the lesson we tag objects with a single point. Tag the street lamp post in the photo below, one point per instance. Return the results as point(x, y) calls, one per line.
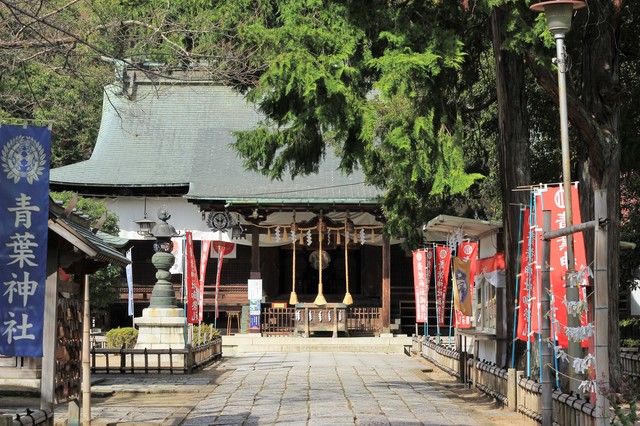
point(559, 14)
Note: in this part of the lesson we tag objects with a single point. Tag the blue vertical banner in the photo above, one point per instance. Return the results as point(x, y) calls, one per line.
point(129, 272)
point(24, 215)
point(255, 296)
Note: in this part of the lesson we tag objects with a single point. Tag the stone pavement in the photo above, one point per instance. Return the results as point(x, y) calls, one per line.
point(297, 388)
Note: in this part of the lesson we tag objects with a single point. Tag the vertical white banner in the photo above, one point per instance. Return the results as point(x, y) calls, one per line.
point(129, 271)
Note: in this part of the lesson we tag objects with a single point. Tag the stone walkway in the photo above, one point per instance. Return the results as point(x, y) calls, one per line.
point(296, 388)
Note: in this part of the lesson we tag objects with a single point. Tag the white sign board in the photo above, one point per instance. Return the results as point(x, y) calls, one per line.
point(255, 289)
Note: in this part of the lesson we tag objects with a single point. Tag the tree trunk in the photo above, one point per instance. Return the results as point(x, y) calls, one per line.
point(601, 160)
point(513, 122)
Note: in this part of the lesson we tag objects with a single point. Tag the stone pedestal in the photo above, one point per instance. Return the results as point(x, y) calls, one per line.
point(161, 328)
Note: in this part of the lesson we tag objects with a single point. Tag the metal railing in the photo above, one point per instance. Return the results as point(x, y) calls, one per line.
point(123, 360)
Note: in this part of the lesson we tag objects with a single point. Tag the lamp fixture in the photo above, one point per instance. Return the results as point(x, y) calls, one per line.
point(145, 225)
point(237, 231)
point(163, 232)
point(348, 225)
point(559, 14)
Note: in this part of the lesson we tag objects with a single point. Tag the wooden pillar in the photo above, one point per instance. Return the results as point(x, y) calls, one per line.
point(546, 403)
point(386, 284)
point(86, 353)
point(255, 253)
point(47, 385)
point(601, 314)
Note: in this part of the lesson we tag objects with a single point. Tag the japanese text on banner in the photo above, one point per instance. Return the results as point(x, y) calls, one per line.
point(24, 214)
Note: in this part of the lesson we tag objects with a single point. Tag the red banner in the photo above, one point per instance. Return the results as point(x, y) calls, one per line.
point(443, 260)
point(428, 275)
point(191, 282)
point(420, 284)
point(549, 198)
point(204, 258)
point(222, 248)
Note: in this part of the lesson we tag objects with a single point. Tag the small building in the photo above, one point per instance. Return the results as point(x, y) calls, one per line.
point(486, 335)
point(73, 252)
point(166, 142)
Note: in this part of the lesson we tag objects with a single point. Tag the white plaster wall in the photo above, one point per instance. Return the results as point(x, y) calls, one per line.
point(184, 215)
point(488, 246)
point(487, 350)
point(635, 301)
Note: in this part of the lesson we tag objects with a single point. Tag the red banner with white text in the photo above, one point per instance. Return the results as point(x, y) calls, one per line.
point(191, 282)
point(443, 261)
point(420, 284)
point(549, 198)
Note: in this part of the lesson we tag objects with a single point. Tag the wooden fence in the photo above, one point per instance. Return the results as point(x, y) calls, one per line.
point(123, 360)
point(282, 321)
point(567, 409)
point(28, 417)
point(497, 382)
point(631, 364)
point(442, 355)
point(278, 321)
point(491, 380)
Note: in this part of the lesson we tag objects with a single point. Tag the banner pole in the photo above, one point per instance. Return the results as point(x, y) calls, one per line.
point(435, 274)
point(428, 283)
point(518, 276)
point(452, 314)
point(532, 215)
point(185, 331)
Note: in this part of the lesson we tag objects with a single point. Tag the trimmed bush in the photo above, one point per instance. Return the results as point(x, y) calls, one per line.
point(116, 337)
point(203, 333)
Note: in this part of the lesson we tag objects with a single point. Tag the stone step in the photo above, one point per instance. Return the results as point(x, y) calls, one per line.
point(385, 343)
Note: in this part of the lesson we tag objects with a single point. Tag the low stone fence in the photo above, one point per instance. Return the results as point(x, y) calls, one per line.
point(110, 360)
point(508, 386)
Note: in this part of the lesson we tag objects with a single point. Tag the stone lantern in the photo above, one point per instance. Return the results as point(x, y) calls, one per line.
point(163, 295)
point(161, 325)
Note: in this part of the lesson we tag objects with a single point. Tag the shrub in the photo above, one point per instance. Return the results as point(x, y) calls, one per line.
point(116, 337)
point(203, 333)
